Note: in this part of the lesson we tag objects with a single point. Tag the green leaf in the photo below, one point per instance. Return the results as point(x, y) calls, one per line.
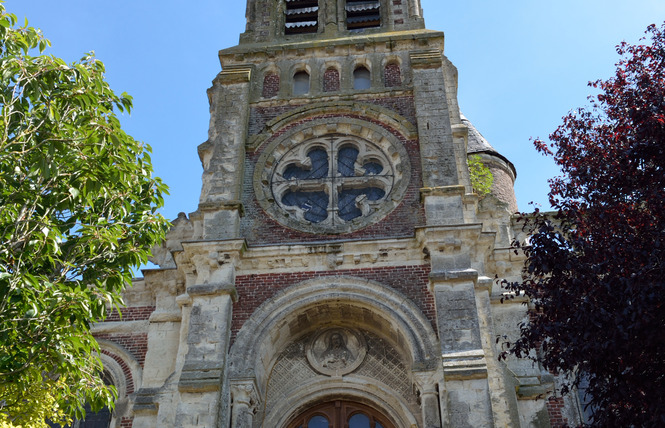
point(74, 192)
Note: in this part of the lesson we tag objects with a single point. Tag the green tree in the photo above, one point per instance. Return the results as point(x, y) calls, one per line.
point(595, 270)
point(78, 211)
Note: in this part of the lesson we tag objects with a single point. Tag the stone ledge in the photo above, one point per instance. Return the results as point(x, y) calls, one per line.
point(534, 388)
point(249, 47)
point(430, 58)
point(201, 377)
point(464, 365)
point(443, 191)
point(120, 327)
point(145, 401)
point(235, 74)
point(213, 290)
point(454, 275)
point(222, 206)
point(165, 317)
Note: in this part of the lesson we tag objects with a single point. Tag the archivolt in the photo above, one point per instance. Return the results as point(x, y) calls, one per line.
point(339, 301)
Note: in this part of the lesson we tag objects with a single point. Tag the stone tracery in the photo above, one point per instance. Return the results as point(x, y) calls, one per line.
point(322, 179)
point(332, 180)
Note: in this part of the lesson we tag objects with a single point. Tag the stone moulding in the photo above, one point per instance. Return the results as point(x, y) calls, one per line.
point(369, 112)
point(236, 74)
point(430, 58)
point(358, 389)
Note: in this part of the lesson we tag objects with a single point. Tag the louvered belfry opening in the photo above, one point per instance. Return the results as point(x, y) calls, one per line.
point(302, 16)
point(362, 14)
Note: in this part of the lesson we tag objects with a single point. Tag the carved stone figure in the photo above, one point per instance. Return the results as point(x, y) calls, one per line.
point(336, 352)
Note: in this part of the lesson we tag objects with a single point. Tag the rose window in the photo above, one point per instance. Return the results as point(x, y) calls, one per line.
point(331, 183)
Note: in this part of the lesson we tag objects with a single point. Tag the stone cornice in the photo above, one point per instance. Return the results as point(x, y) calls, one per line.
point(390, 40)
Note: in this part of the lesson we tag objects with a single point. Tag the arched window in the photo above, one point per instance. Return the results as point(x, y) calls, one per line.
point(361, 78)
point(270, 85)
point(340, 414)
point(362, 14)
point(301, 83)
point(301, 16)
point(331, 80)
point(392, 75)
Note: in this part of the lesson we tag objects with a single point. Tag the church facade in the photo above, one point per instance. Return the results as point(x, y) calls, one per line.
point(339, 270)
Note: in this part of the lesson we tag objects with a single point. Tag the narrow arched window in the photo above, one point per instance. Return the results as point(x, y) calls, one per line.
point(331, 80)
point(361, 78)
point(270, 85)
point(301, 16)
point(392, 75)
point(301, 83)
point(362, 14)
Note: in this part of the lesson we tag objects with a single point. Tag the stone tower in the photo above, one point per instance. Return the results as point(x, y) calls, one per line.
point(339, 268)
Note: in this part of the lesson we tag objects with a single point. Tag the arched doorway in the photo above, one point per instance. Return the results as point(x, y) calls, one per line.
point(286, 357)
point(340, 414)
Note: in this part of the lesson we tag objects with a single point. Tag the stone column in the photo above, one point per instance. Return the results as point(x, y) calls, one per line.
point(429, 398)
point(245, 399)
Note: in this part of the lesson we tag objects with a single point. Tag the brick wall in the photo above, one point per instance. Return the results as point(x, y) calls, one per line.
point(392, 75)
point(259, 116)
point(331, 80)
point(136, 313)
point(270, 85)
point(555, 407)
point(253, 290)
point(126, 422)
point(135, 343)
point(398, 12)
point(125, 369)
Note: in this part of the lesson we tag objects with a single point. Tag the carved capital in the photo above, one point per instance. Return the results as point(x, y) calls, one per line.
point(426, 381)
point(245, 393)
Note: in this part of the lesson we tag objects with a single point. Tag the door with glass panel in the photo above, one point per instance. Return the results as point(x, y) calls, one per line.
point(340, 414)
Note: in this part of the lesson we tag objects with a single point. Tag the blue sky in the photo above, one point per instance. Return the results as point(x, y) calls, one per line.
point(522, 66)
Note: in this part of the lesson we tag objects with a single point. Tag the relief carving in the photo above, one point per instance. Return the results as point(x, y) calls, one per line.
point(336, 352)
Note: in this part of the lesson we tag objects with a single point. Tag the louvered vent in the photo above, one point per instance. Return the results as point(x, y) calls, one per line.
point(363, 14)
point(302, 16)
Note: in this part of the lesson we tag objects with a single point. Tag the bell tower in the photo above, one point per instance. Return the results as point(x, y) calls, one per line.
point(338, 271)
